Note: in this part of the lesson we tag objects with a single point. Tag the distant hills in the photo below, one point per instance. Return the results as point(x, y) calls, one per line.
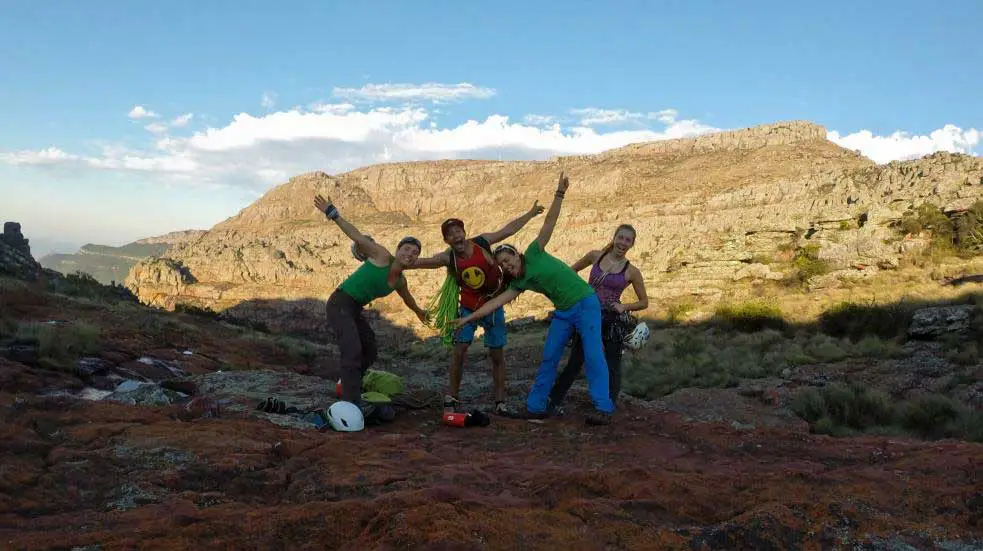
point(107, 264)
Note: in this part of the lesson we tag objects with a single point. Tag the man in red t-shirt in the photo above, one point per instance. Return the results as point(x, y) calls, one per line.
point(479, 278)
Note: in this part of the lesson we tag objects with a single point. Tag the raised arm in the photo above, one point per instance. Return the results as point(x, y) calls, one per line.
point(550, 223)
point(585, 261)
point(638, 284)
point(404, 293)
point(509, 229)
point(439, 260)
point(371, 249)
point(501, 300)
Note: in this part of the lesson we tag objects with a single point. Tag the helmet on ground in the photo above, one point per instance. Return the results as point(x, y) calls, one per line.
point(637, 338)
point(345, 417)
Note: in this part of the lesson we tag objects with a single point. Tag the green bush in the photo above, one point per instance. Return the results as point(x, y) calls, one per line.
point(806, 264)
point(845, 409)
point(749, 316)
point(930, 416)
point(968, 229)
point(856, 321)
point(962, 233)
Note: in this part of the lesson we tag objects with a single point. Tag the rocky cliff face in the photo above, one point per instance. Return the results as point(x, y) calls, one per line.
point(709, 211)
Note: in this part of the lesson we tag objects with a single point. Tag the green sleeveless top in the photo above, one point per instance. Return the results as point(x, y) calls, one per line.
point(369, 282)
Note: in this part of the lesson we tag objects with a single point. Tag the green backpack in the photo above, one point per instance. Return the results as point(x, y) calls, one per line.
point(379, 387)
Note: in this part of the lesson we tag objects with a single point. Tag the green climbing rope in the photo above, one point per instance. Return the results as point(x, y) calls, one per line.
point(443, 309)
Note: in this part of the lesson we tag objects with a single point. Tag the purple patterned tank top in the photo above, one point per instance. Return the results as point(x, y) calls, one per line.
point(608, 287)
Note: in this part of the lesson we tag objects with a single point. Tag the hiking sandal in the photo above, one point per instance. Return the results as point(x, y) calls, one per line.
point(451, 403)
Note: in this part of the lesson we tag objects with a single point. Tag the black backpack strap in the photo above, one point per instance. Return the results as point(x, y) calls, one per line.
point(483, 243)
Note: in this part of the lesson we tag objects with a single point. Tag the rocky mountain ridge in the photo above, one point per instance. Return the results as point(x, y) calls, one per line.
point(711, 210)
point(112, 264)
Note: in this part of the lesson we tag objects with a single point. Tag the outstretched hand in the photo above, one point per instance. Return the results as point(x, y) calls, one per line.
point(458, 324)
point(563, 184)
point(321, 203)
point(423, 316)
point(536, 209)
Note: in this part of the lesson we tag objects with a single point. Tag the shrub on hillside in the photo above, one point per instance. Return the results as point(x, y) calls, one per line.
point(850, 319)
point(82, 285)
point(968, 229)
point(807, 265)
point(203, 312)
point(749, 317)
point(930, 416)
point(959, 233)
point(843, 409)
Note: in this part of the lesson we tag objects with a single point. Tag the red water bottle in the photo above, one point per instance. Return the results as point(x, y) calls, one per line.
point(337, 388)
point(454, 419)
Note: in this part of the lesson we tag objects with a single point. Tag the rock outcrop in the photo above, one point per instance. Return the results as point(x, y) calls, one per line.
point(710, 211)
point(15, 254)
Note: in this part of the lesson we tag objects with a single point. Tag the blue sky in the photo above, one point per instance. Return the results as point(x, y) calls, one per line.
point(236, 96)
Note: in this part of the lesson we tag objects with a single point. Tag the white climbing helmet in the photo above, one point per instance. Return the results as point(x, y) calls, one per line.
point(637, 338)
point(345, 417)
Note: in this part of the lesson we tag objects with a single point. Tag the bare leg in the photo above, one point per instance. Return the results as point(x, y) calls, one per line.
point(456, 370)
point(497, 356)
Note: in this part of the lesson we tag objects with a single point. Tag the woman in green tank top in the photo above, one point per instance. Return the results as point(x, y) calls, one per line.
point(380, 274)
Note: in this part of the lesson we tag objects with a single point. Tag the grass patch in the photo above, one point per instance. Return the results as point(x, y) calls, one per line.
point(685, 357)
point(845, 409)
point(60, 344)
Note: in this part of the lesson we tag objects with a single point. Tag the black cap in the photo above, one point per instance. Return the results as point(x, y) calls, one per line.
point(449, 223)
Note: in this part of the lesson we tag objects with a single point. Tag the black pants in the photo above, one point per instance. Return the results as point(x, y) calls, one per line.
point(612, 353)
point(356, 342)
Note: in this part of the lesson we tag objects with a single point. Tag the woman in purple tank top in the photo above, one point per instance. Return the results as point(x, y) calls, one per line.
point(611, 273)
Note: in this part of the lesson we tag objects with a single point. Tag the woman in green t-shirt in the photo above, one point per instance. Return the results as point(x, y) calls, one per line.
point(577, 310)
point(380, 274)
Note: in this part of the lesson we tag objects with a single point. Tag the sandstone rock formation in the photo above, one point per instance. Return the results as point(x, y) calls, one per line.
point(709, 211)
point(15, 253)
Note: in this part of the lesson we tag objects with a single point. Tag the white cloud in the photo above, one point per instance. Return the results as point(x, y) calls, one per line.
point(156, 128)
point(538, 120)
point(593, 116)
point(141, 112)
point(432, 91)
point(268, 101)
point(256, 151)
point(182, 120)
point(667, 116)
point(903, 145)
